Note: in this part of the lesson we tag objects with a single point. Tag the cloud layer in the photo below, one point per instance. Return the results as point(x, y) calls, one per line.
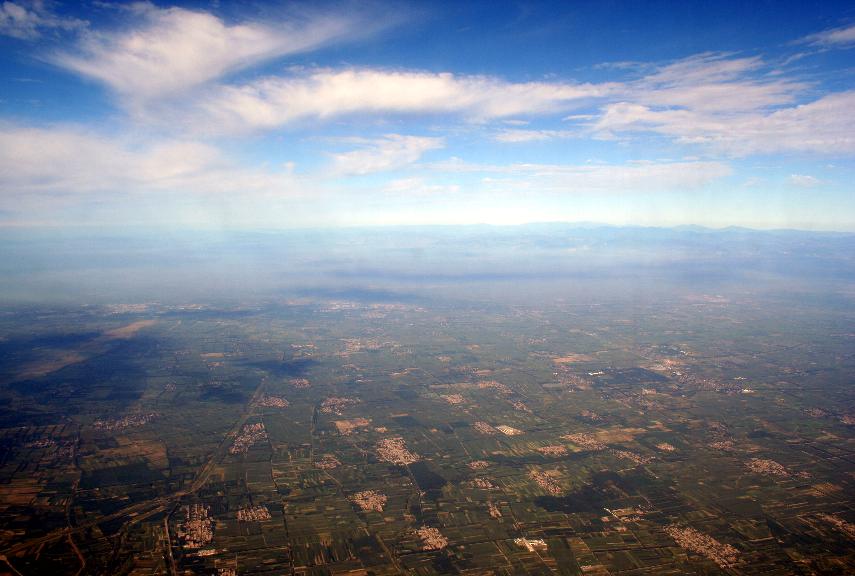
point(69, 161)
point(171, 68)
point(195, 94)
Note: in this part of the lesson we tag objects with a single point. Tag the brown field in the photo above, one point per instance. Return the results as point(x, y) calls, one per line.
point(44, 367)
point(130, 330)
point(346, 427)
point(572, 358)
point(20, 492)
point(131, 449)
point(614, 435)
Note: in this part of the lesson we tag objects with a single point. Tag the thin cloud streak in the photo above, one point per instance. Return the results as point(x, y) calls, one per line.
point(843, 36)
point(516, 136)
point(323, 94)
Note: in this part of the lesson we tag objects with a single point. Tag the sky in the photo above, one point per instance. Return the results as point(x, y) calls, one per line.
point(276, 115)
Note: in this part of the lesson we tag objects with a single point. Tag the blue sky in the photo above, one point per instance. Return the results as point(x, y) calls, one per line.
point(280, 115)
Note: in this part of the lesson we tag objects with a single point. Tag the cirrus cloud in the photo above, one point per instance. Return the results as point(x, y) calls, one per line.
point(727, 106)
point(824, 126)
point(326, 93)
point(804, 181)
point(516, 136)
point(843, 36)
point(170, 50)
point(391, 152)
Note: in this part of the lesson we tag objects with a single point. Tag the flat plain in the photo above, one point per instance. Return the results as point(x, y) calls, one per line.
point(661, 431)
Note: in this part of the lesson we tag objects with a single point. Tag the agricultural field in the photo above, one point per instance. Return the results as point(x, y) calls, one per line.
point(336, 436)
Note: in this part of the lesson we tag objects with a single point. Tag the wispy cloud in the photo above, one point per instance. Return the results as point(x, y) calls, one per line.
point(715, 83)
point(418, 186)
point(324, 93)
point(391, 152)
point(804, 181)
point(824, 126)
point(170, 69)
point(173, 74)
point(627, 178)
point(71, 162)
point(167, 51)
point(728, 106)
point(843, 36)
point(515, 136)
point(28, 20)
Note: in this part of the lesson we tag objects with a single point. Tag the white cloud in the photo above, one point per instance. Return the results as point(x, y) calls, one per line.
point(716, 101)
point(171, 50)
point(321, 94)
point(417, 186)
point(578, 117)
point(26, 21)
point(727, 106)
point(714, 83)
point(600, 178)
point(836, 37)
point(66, 174)
point(168, 70)
point(627, 179)
point(825, 126)
point(41, 167)
point(512, 136)
point(391, 152)
point(804, 181)
point(704, 67)
point(73, 163)
point(753, 182)
point(71, 160)
point(722, 97)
